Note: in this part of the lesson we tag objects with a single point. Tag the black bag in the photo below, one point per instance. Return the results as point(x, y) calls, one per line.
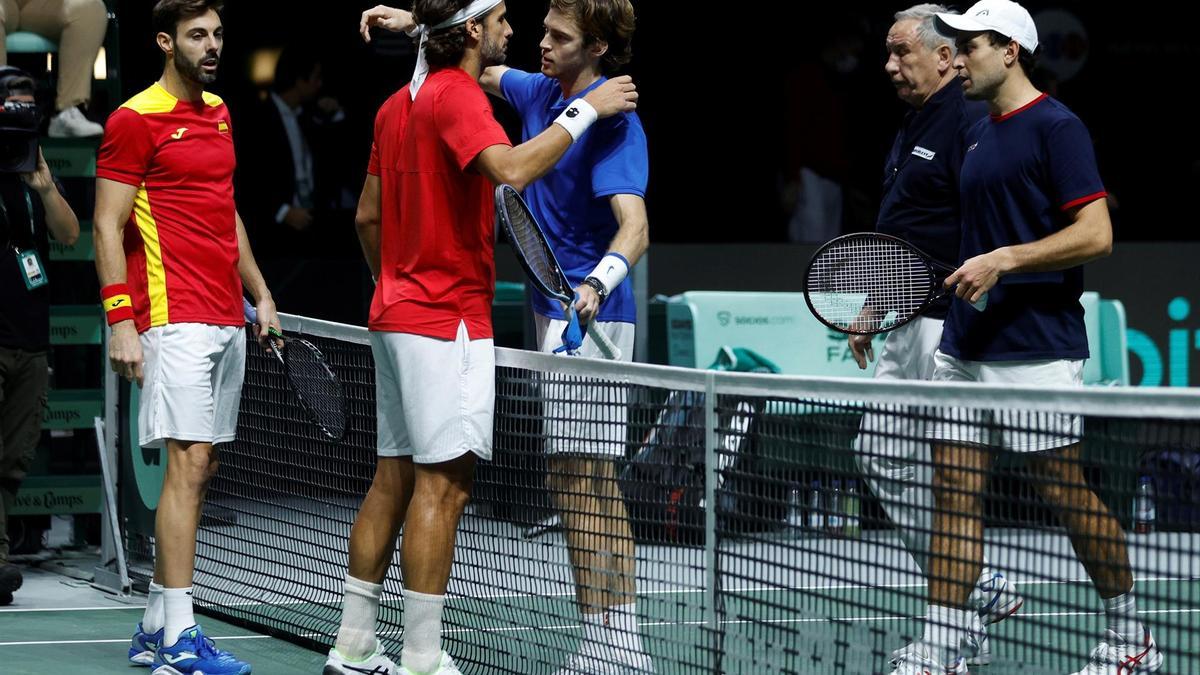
point(1175, 475)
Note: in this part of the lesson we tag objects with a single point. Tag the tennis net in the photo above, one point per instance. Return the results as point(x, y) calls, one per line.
point(764, 529)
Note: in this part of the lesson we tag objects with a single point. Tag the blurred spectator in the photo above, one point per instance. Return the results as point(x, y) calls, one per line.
point(78, 26)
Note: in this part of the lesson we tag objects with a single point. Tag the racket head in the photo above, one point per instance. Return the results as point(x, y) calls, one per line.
point(316, 386)
point(867, 283)
point(533, 251)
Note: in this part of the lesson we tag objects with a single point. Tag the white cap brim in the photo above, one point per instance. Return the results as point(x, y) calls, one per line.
point(954, 24)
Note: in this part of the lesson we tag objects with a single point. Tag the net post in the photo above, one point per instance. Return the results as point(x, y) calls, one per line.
point(711, 588)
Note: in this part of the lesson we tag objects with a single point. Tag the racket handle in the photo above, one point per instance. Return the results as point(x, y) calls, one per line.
point(603, 343)
point(250, 311)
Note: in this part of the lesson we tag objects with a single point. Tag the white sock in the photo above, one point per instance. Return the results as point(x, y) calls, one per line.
point(155, 617)
point(944, 627)
point(595, 632)
point(360, 609)
point(1122, 617)
point(422, 631)
point(177, 605)
point(623, 632)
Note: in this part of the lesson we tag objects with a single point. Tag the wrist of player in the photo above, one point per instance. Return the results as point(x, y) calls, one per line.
point(607, 275)
point(117, 303)
point(577, 118)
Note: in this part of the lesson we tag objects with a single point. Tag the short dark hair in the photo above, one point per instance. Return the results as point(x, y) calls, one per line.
point(168, 13)
point(610, 21)
point(446, 47)
point(1027, 59)
point(294, 65)
point(15, 81)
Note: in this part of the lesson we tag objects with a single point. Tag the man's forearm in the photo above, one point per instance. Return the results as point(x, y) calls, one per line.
point(252, 278)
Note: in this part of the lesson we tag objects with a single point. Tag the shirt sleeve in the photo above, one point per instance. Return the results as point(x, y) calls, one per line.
point(521, 89)
point(622, 163)
point(1071, 161)
point(466, 124)
point(127, 149)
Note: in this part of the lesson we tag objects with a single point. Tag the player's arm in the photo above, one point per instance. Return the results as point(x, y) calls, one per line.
point(114, 203)
point(520, 165)
point(253, 281)
point(388, 18)
point(490, 79)
point(627, 247)
point(1088, 237)
point(367, 221)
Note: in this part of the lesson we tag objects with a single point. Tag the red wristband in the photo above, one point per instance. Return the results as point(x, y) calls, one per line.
point(118, 306)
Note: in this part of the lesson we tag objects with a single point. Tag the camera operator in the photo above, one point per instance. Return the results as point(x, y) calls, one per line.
point(31, 206)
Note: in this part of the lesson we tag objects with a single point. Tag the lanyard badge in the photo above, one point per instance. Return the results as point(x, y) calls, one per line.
point(32, 269)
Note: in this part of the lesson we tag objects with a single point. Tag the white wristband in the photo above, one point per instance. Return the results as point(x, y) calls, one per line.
point(611, 271)
point(577, 118)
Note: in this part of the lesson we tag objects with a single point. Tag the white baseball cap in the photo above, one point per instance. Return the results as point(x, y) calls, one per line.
point(1003, 16)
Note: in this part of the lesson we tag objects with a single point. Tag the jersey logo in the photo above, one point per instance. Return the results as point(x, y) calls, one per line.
point(222, 127)
point(973, 146)
point(923, 153)
point(179, 133)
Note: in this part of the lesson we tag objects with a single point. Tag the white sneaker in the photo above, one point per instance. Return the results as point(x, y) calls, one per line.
point(634, 663)
point(1115, 656)
point(376, 664)
point(71, 123)
point(918, 659)
point(592, 663)
point(445, 666)
point(995, 598)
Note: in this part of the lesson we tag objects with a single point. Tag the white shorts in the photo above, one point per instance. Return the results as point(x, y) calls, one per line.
point(583, 418)
point(434, 399)
point(1016, 430)
point(894, 432)
point(192, 383)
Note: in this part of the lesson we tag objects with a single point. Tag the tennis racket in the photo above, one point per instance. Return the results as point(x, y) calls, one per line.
point(543, 269)
point(314, 383)
point(867, 283)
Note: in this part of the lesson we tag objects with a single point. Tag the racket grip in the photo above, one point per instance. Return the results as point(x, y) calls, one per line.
point(980, 304)
point(249, 311)
point(603, 343)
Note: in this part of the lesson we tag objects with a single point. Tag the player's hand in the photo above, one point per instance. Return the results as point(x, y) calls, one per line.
point(387, 18)
point(298, 218)
point(861, 349)
point(978, 275)
point(268, 318)
point(40, 179)
point(125, 351)
point(615, 96)
point(587, 304)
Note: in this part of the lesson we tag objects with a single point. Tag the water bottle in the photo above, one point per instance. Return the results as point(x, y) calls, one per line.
point(816, 519)
point(837, 520)
point(1144, 512)
point(853, 507)
point(795, 512)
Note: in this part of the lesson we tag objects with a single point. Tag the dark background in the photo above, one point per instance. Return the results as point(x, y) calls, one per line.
point(734, 98)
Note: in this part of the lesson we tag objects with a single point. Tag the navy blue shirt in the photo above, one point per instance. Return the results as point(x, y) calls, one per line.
point(572, 202)
point(920, 179)
point(1022, 174)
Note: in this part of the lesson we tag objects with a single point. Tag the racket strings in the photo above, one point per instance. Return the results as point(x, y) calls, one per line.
point(532, 246)
point(317, 387)
point(861, 283)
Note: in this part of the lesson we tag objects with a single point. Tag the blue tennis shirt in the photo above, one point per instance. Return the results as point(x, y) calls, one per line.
point(920, 179)
point(1023, 172)
point(572, 202)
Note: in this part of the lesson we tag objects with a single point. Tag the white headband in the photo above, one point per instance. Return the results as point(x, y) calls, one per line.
point(474, 10)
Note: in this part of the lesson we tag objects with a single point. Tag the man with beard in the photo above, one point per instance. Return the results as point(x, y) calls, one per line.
point(172, 256)
point(425, 220)
point(593, 210)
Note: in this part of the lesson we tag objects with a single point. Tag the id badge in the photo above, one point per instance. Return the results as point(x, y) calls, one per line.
point(32, 269)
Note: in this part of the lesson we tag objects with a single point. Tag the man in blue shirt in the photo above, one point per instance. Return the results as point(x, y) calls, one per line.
point(1033, 212)
point(921, 205)
point(592, 209)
